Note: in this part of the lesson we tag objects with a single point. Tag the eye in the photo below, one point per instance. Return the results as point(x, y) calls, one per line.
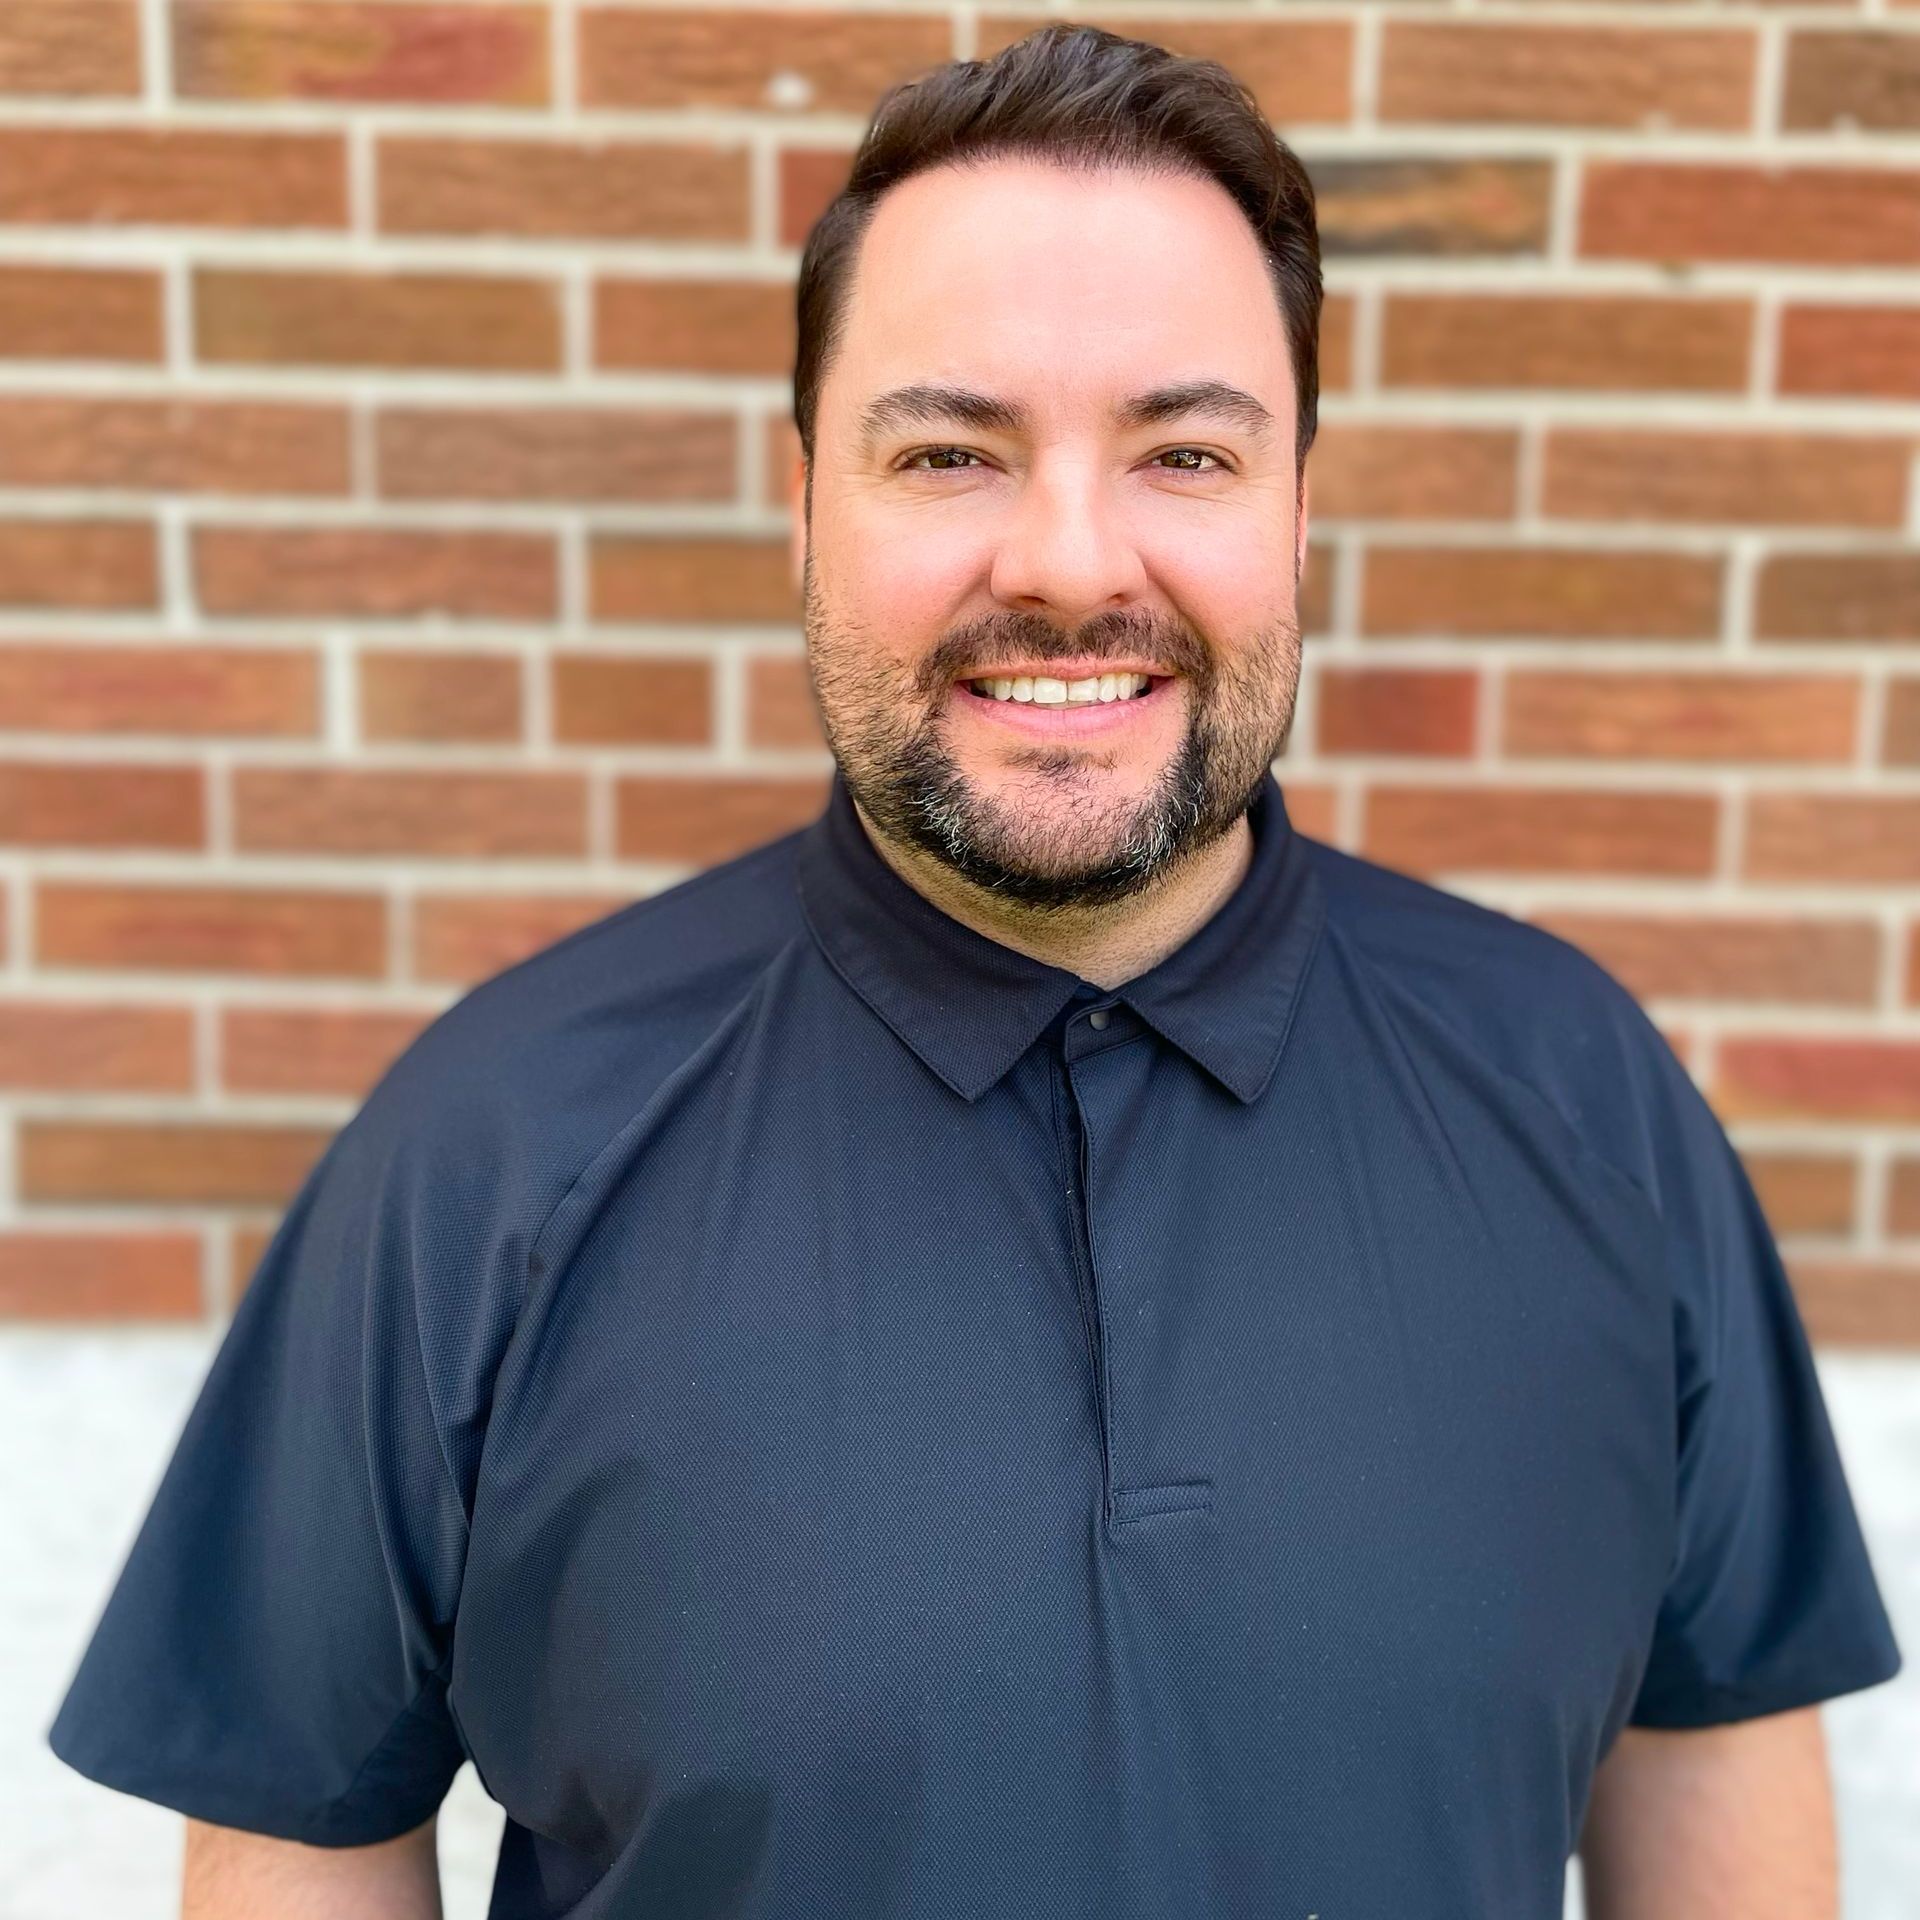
point(1219, 465)
point(906, 464)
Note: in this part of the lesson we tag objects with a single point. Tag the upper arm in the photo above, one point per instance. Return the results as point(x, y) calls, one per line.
point(1730, 1822)
point(231, 1874)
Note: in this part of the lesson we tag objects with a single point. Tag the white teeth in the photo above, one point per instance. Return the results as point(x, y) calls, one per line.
point(1043, 690)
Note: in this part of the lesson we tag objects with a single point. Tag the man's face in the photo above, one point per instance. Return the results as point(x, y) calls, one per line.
point(1053, 538)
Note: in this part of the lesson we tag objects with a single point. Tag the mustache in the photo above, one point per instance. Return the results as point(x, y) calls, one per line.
point(980, 647)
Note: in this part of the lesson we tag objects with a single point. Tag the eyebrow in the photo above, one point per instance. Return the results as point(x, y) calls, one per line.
point(927, 403)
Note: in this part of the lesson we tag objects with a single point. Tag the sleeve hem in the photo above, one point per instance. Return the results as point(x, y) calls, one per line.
point(1720, 1706)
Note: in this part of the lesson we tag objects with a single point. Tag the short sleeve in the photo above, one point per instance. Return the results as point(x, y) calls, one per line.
point(1771, 1602)
point(274, 1654)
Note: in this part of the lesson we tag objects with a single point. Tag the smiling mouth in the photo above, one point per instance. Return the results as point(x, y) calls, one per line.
point(1045, 690)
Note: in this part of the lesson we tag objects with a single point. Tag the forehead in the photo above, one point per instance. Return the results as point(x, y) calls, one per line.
point(1020, 276)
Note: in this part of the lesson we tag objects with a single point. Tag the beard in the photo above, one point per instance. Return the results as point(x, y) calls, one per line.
point(1071, 847)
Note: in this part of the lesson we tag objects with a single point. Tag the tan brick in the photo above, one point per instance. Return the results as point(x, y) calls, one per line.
point(1864, 352)
point(1837, 596)
point(1857, 1303)
point(101, 565)
point(1432, 206)
point(1776, 1077)
point(706, 818)
point(557, 453)
point(780, 709)
point(325, 809)
point(1610, 343)
point(1765, 479)
point(681, 190)
point(1811, 215)
point(1567, 75)
point(431, 695)
point(183, 446)
point(1804, 1192)
point(64, 1046)
point(1396, 710)
point(63, 803)
point(1374, 470)
point(82, 1275)
point(312, 1050)
point(720, 56)
point(1804, 960)
point(69, 47)
point(171, 177)
point(465, 938)
point(694, 326)
point(418, 321)
point(1300, 71)
point(1715, 715)
point(188, 1162)
point(691, 577)
point(1556, 592)
point(1427, 830)
point(1852, 79)
point(653, 700)
point(79, 313)
point(99, 687)
point(1901, 745)
point(1903, 1196)
point(435, 54)
point(1913, 969)
point(211, 929)
point(1839, 837)
point(380, 573)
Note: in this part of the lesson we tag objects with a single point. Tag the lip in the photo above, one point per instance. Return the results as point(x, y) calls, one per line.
point(1068, 670)
point(1084, 720)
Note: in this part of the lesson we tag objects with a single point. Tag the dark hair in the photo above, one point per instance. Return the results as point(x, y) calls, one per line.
point(1086, 98)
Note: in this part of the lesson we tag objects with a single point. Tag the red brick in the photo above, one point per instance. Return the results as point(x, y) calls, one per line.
point(1857, 1303)
point(1864, 352)
point(64, 1046)
point(1396, 710)
point(1422, 206)
point(1764, 479)
point(1377, 471)
point(349, 50)
point(1804, 1192)
point(719, 56)
point(1867, 79)
point(1566, 75)
point(694, 326)
point(418, 321)
point(69, 47)
point(1552, 592)
point(691, 577)
point(1837, 596)
point(311, 1050)
point(1808, 215)
point(466, 938)
point(1336, 343)
point(58, 1275)
point(68, 687)
point(171, 177)
point(1771, 1077)
point(1311, 808)
point(1715, 715)
point(1903, 1197)
point(368, 810)
point(1841, 837)
point(557, 453)
point(1901, 744)
point(211, 929)
point(180, 446)
point(567, 189)
point(780, 708)
point(707, 818)
point(1550, 830)
point(79, 313)
point(189, 1162)
point(1611, 343)
point(48, 803)
point(431, 695)
point(100, 565)
point(1802, 960)
point(603, 699)
point(377, 573)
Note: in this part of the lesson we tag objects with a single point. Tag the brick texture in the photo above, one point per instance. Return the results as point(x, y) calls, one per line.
point(395, 568)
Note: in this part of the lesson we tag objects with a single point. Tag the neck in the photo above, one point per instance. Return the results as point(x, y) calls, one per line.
point(1106, 945)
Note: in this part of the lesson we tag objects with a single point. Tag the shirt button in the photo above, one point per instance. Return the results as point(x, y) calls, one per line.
point(1097, 1019)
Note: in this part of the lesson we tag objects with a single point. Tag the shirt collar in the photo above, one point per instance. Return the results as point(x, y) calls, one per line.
point(969, 1006)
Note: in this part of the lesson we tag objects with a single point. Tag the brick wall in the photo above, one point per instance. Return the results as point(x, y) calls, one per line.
point(393, 399)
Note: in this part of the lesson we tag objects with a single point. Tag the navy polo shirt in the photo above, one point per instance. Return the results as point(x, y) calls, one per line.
point(837, 1417)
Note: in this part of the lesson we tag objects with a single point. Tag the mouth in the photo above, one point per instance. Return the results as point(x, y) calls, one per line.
point(1055, 708)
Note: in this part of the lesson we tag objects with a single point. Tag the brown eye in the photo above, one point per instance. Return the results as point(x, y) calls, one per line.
point(1219, 465)
point(931, 452)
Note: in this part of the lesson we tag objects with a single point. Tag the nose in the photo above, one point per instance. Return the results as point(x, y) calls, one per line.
point(1065, 548)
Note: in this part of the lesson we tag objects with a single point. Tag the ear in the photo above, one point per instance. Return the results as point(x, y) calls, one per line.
point(1300, 530)
point(796, 509)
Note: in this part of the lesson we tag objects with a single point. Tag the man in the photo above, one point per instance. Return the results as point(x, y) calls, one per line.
point(1045, 1344)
